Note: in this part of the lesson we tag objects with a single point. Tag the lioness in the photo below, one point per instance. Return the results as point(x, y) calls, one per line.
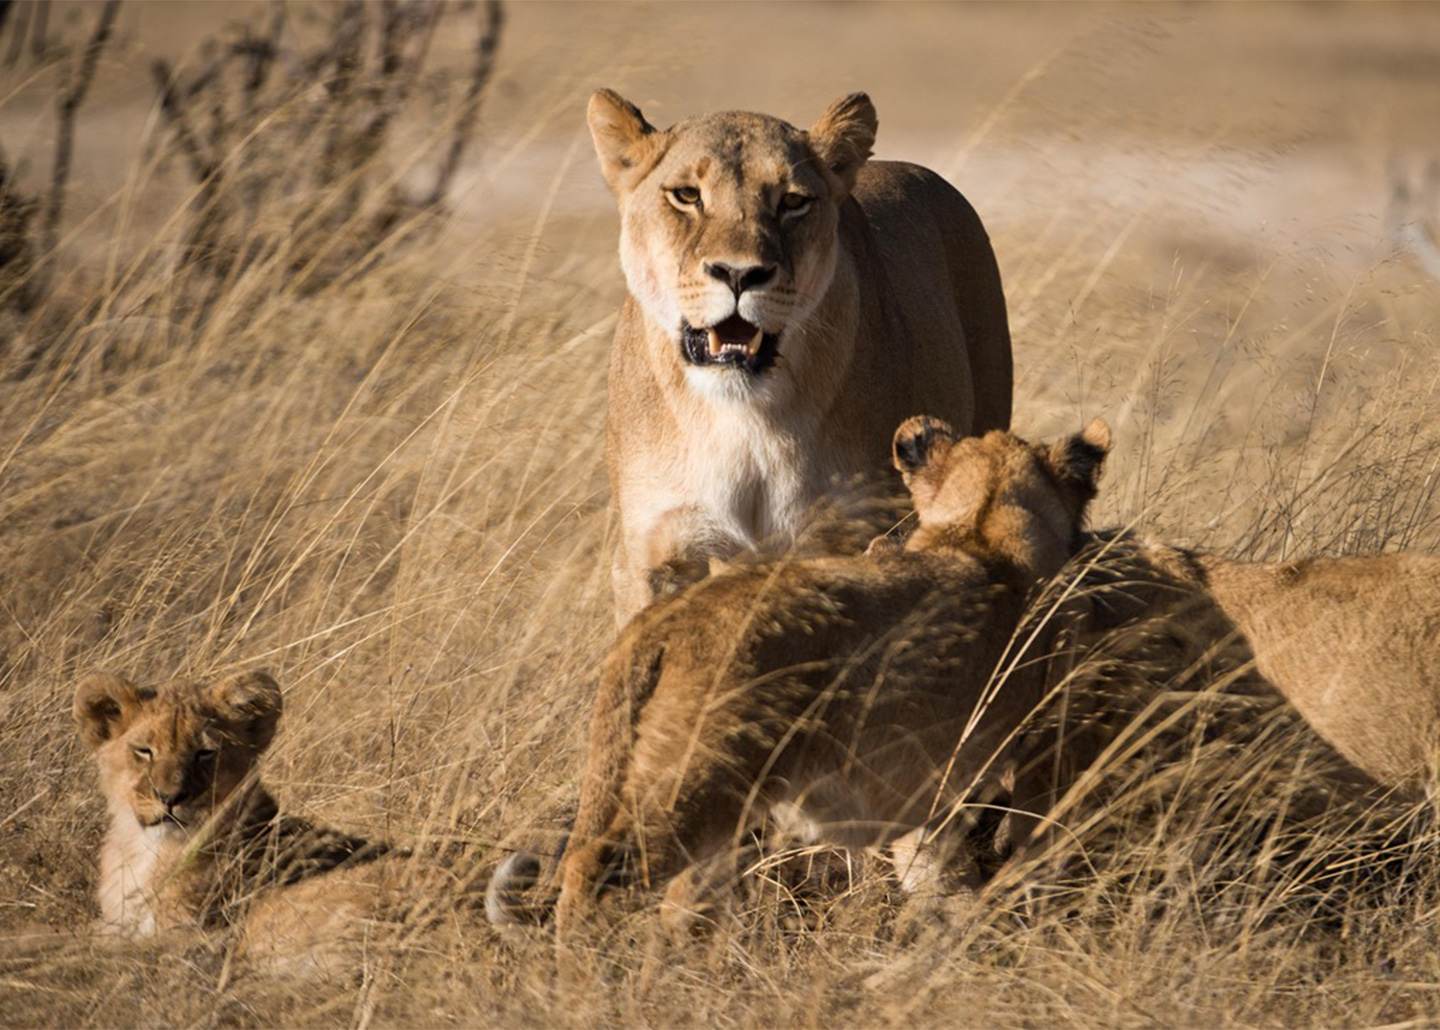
point(196, 840)
point(790, 302)
point(866, 695)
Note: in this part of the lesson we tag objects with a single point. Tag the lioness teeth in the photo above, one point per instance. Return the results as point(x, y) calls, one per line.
point(718, 346)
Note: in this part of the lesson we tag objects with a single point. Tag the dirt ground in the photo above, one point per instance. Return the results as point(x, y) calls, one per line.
point(379, 474)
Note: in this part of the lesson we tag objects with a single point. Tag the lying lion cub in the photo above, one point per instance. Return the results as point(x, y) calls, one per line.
point(864, 695)
point(196, 840)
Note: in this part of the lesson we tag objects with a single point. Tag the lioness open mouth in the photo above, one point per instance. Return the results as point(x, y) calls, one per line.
point(733, 342)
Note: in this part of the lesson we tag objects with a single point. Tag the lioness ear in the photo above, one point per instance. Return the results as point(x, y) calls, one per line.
point(1080, 459)
point(843, 136)
point(918, 441)
point(104, 706)
point(251, 702)
point(624, 140)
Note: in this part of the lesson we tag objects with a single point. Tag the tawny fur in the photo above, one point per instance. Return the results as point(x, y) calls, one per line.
point(885, 297)
point(1352, 643)
point(195, 840)
point(867, 693)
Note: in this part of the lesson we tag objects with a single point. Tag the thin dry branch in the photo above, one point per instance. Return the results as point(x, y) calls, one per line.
point(485, 49)
point(260, 53)
point(31, 21)
point(70, 102)
point(173, 109)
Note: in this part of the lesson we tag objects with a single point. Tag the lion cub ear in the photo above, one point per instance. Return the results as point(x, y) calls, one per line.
point(250, 702)
point(1078, 460)
point(624, 141)
point(104, 706)
point(919, 441)
point(843, 136)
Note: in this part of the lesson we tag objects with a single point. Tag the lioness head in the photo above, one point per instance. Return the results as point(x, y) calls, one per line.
point(171, 755)
point(728, 227)
point(997, 490)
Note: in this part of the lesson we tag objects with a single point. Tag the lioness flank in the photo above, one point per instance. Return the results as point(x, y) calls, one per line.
point(790, 302)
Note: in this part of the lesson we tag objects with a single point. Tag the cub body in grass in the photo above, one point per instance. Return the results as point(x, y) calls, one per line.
point(1354, 645)
point(195, 839)
point(863, 695)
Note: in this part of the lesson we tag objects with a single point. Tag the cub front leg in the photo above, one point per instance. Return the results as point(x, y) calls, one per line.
point(939, 875)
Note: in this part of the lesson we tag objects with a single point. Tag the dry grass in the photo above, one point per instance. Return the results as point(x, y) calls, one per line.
point(385, 484)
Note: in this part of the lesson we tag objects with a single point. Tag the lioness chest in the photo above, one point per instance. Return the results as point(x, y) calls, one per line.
point(755, 479)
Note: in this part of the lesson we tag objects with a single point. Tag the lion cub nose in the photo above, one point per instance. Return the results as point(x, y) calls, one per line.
point(173, 798)
point(740, 279)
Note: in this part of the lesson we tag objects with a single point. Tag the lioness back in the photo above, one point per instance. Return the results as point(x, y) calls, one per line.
point(923, 229)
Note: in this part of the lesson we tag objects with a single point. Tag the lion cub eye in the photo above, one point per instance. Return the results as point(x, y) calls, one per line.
point(795, 203)
point(205, 755)
point(684, 196)
point(143, 754)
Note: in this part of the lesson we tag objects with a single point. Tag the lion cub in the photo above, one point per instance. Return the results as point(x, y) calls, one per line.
point(864, 695)
point(196, 840)
point(1352, 643)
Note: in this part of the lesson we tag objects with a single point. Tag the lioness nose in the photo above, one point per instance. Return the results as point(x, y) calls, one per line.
point(172, 799)
point(740, 279)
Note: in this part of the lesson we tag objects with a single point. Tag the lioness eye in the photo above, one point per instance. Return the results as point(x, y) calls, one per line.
point(205, 754)
point(794, 202)
point(684, 196)
point(142, 753)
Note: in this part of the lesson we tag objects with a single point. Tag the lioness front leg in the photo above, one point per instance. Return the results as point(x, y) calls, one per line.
point(663, 558)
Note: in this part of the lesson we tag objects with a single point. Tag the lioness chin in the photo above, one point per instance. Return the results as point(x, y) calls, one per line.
point(867, 695)
point(790, 302)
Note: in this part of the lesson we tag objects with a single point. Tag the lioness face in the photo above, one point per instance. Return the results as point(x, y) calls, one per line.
point(978, 490)
point(728, 229)
point(171, 755)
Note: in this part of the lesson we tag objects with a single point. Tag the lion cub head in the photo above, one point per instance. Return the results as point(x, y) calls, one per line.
point(170, 756)
point(728, 227)
point(998, 493)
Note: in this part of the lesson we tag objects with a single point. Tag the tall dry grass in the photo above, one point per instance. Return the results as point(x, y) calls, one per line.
point(366, 455)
